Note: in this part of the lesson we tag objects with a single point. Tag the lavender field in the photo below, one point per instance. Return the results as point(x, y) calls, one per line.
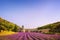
point(30, 36)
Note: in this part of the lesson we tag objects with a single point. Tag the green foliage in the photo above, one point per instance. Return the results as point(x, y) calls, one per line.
point(15, 28)
point(54, 27)
point(9, 26)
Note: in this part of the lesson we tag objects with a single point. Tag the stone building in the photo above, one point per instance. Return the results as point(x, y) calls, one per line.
point(23, 29)
point(44, 30)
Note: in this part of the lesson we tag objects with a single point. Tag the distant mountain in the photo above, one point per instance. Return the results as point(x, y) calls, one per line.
point(54, 27)
point(9, 26)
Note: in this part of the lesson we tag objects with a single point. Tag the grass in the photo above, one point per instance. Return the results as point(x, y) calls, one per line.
point(7, 33)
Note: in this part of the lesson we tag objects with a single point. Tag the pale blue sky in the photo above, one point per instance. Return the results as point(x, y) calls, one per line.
point(30, 13)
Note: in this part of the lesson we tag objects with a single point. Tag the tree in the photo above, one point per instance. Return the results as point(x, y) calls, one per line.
point(15, 29)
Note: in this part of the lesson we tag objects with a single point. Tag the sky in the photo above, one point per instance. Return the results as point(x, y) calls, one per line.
point(30, 13)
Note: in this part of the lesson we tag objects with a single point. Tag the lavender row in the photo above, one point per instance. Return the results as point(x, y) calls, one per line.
point(30, 36)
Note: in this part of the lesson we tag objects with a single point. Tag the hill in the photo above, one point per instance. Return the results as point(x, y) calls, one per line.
point(54, 27)
point(8, 26)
